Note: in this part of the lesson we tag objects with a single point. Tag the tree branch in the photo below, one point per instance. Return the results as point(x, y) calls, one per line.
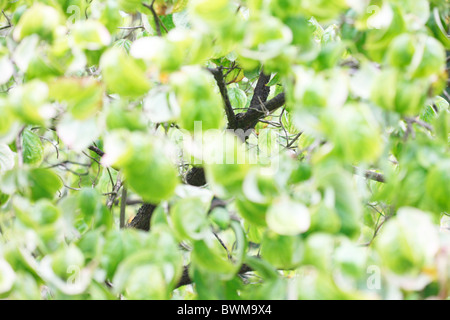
point(19, 147)
point(155, 16)
point(9, 25)
point(371, 175)
point(250, 118)
point(123, 205)
point(196, 177)
point(142, 219)
point(97, 150)
point(261, 92)
point(218, 76)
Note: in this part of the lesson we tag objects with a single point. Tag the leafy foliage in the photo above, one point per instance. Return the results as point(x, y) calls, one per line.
point(227, 149)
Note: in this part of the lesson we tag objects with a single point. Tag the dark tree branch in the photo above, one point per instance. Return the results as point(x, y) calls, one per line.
point(219, 77)
point(371, 175)
point(97, 150)
point(250, 118)
point(196, 177)
point(142, 219)
point(155, 16)
point(261, 92)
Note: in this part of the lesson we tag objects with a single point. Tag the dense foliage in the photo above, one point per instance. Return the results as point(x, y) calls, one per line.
point(226, 149)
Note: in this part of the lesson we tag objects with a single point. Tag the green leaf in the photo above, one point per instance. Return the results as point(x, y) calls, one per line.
point(319, 248)
point(6, 158)
point(123, 74)
point(90, 35)
point(84, 96)
point(189, 219)
point(144, 281)
point(264, 268)
point(209, 287)
point(7, 276)
point(38, 19)
point(284, 252)
point(226, 162)
point(212, 257)
point(45, 212)
point(7, 119)
point(118, 116)
point(29, 102)
point(44, 183)
point(221, 217)
point(159, 105)
point(288, 217)
point(146, 164)
point(437, 186)
point(238, 98)
point(118, 245)
point(77, 134)
point(88, 200)
point(346, 199)
point(199, 103)
point(351, 259)
point(408, 242)
point(63, 260)
point(7, 69)
point(33, 150)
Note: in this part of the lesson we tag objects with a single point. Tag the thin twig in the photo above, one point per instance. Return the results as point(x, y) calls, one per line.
point(97, 150)
point(9, 25)
point(55, 145)
point(419, 122)
point(123, 205)
point(110, 177)
point(294, 139)
point(19, 147)
point(223, 245)
point(114, 192)
point(72, 188)
point(372, 175)
point(280, 120)
point(131, 28)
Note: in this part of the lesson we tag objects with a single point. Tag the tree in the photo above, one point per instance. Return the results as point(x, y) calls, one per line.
point(228, 149)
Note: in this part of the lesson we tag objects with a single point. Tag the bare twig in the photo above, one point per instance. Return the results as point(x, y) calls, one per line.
point(114, 193)
point(19, 147)
point(72, 188)
point(131, 28)
point(123, 205)
point(223, 245)
point(419, 122)
point(372, 175)
point(294, 139)
point(97, 150)
point(9, 25)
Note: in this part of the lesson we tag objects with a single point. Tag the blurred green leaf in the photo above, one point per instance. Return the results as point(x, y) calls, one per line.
point(44, 183)
point(33, 150)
